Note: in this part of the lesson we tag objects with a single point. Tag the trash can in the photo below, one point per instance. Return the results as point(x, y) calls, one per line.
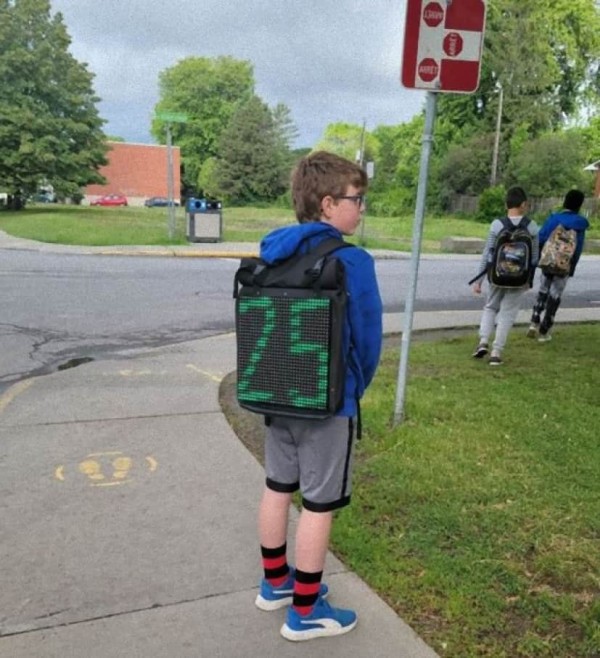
point(204, 220)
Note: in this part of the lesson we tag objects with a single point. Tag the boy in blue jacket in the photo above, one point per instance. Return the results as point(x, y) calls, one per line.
point(315, 456)
point(552, 286)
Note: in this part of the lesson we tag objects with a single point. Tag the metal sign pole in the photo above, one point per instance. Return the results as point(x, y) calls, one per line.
point(170, 184)
point(169, 118)
point(416, 253)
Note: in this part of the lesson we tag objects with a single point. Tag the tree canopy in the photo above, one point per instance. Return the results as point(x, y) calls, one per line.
point(207, 91)
point(253, 161)
point(50, 129)
point(545, 55)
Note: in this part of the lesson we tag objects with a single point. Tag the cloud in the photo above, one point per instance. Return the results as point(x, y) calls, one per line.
point(327, 61)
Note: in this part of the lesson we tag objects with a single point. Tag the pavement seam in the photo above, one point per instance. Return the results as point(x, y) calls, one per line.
point(115, 418)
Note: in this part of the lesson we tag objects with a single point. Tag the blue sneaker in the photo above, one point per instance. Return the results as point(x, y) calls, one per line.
point(323, 621)
point(272, 598)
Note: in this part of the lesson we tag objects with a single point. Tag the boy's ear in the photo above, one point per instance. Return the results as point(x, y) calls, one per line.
point(327, 203)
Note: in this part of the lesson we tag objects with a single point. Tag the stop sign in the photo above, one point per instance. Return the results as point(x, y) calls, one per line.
point(442, 45)
point(428, 69)
point(433, 14)
point(453, 44)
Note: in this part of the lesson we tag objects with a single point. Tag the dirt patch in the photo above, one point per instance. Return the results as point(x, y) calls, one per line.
point(249, 427)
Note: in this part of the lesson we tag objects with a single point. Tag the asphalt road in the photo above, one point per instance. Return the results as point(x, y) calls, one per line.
point(60, 308)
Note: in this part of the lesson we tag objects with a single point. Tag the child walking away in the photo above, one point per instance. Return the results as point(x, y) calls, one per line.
point(314, 455)
point(509, 259)
point(561, 242)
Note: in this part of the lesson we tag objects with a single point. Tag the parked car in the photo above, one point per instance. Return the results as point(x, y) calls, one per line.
point(155, 201)
point(43, 196)
point(110, 200)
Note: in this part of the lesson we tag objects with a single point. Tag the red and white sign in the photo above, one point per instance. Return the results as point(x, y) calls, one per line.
point(433, 14)
point(428, 69)
point(442, 45)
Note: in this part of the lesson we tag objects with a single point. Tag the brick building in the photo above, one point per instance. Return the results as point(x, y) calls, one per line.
point(138, 171)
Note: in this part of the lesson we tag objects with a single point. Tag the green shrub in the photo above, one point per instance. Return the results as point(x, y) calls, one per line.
point(396, 201)
point(491, 204)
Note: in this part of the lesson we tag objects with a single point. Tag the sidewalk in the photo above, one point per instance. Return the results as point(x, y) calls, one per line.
point(155, 554)
point(129, 510)
point(192, 250)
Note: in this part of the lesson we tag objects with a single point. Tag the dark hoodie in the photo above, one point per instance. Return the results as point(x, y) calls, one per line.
point(363, 328)
point(569, 220)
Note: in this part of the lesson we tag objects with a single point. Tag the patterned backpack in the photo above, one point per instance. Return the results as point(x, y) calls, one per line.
point(559, 249)
point(511, 259)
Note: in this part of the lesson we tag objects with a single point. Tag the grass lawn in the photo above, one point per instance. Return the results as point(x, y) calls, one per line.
point(478, 518)
point(83, 225)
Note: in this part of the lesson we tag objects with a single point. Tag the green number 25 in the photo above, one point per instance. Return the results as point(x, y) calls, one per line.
point(296, 311)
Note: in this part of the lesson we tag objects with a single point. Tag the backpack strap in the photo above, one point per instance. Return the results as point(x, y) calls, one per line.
point(509, 226)
point(327, 246)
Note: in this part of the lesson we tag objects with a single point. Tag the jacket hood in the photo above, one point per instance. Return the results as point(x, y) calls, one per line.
point(283, 242)
point(573, 220)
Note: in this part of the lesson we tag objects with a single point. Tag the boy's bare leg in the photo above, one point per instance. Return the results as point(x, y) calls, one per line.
point(273, 518)
point(312, 540)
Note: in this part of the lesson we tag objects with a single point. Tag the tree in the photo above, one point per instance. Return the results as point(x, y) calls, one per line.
point(250, 165)
point(545, 56)
point(465, 169)
point(208, 91)
point(550, 165)
point(50, 130)
point(590, 135)
point(346, 139)
point(284, 125)
point(396, 167)
point(208, 182)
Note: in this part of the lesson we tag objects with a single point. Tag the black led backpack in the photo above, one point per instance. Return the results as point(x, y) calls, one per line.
point(289, 320)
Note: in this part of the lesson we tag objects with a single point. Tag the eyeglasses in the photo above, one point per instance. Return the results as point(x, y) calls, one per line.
point(359, 199)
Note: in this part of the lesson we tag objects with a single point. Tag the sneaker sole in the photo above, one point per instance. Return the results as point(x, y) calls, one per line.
point(268, 606)
point(313, 633)
point(479, 354)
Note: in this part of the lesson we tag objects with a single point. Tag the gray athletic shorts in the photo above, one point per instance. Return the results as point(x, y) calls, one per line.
point(314, 456)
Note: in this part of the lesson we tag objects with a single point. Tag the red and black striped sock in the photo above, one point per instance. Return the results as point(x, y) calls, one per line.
point(306, 591)
point(275, 564)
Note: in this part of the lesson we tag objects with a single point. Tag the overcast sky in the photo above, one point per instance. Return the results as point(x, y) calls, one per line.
point(327, 60)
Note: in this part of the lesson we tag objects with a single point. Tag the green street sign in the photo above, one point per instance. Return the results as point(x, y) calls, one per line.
point(172, 117)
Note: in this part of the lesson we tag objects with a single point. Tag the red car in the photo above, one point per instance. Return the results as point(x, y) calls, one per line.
point(110, 200)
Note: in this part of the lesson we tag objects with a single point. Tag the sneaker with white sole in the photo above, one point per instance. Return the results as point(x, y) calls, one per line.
point(323, 621)
point(532, 332)
point(544, 338)
point(495, 360)
point(480, 351)
point(273, 597)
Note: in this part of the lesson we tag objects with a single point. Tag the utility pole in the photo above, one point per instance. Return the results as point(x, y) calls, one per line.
point(497, 137)
point(361, 159)
point(361, 153)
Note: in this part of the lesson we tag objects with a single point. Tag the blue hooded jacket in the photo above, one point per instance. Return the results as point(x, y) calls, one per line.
point(569, 220)
point(362, 335)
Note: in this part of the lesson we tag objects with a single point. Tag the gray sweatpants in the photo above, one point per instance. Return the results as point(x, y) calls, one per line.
point(500, 312)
